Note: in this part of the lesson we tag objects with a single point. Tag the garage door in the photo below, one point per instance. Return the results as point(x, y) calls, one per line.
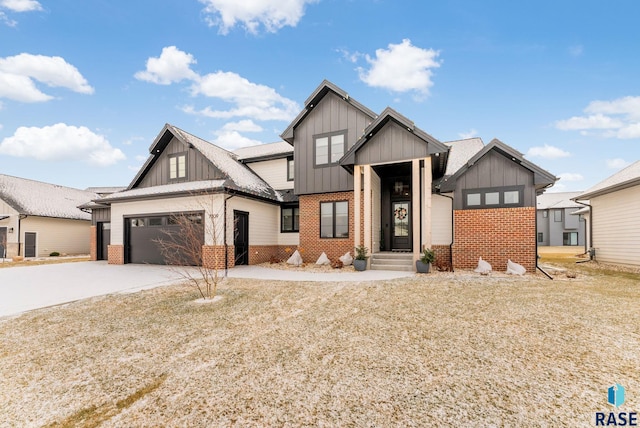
point(167, 239)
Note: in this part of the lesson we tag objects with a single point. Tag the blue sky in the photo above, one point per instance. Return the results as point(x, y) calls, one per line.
point(85, 86)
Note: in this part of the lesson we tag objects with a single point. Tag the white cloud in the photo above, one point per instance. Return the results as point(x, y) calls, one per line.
point(232, 140)
point(61, 142)
point(350, 56)
point(17, 75)
point(570, 176)
point(547, 152)
point(617, 163)
point(141, 158)
point(470, 134)
point(173, 65)
point(246, 125)
point(21, 5)
point(132, 140)
point(5, 19)
point(619, 118)
point(401, 68)
point(249, 99)
point(252, 14)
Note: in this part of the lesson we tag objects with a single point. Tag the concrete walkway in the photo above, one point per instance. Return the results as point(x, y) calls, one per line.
point(25, 288)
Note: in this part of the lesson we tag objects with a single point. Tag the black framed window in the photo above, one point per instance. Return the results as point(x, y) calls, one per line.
point(540, 237)
point(493, 197)
point(290, 219)
point(177, 166)
point(329, 148)
point(557, 215)
point(334, 219)
point(290, 169)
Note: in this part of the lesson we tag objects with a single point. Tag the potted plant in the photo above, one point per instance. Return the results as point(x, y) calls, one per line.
point(427, 257)
point(360, 261)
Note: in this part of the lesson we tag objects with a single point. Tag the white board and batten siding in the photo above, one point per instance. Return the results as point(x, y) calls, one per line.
point(62, 235)
point(274, 172)
point(9, 223)
point(616, 230)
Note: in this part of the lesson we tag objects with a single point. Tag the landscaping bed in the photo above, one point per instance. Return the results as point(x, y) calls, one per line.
point(431, 350)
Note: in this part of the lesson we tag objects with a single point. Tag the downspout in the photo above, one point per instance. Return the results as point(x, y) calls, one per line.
point(20, 217)
point(537, 256)
point(591, 250)
point(452, 232)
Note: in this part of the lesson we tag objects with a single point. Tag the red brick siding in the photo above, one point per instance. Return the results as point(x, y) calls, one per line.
point(115, 254)
point(93, 243)
point(311, 244)
point(443, 255)
point(213, 256)
point(495, 235)
point(263, 253)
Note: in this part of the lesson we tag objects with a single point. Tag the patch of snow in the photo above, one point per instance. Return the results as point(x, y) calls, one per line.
point(165, 189)
point(262, 150)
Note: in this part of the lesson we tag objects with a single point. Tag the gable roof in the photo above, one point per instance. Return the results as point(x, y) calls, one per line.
point(260, 152)
point(551, 200)
point(541, 180)
point(627, 177)
point(323, 89)
point(238, 176)
point(30, 197)
point(387, 115)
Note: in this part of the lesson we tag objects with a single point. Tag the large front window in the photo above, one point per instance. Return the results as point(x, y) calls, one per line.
point(334, 219)
point(329, 148)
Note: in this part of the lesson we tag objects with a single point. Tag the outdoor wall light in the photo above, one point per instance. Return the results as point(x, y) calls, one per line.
point(11, 230)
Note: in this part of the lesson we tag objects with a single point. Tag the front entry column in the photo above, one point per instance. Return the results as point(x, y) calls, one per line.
point(426, 204)
point(415, 206)
point(367, 209)
point(357, 185)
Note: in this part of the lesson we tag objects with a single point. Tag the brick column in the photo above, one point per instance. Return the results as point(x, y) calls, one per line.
point(93, 243)
point(115, 254)
point(213, 256)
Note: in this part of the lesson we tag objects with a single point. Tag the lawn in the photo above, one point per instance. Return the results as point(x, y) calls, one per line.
point(444, 349)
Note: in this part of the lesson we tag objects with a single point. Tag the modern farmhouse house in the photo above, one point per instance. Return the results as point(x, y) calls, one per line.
point(343, 176)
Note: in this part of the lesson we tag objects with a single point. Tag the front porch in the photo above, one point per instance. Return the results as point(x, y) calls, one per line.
point(392, 212)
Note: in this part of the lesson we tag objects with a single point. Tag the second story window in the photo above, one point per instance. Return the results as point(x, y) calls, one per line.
point(177, 166)
point(329, 148)
point(290, 170)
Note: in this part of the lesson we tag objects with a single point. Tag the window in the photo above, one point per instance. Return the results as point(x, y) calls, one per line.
point(540, 237)
point(570, 238)
point(557, 215)
point(334, 219)
point(495, 197)
point(329, 148)
point(290, 170)
point(155, 221)
point(137, 222)
point(290, 219)
point(177, 166)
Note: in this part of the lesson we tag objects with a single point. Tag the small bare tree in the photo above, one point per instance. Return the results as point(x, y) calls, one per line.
point(182, 245)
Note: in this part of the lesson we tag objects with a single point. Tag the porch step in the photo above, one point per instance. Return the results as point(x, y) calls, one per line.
point(392, 261)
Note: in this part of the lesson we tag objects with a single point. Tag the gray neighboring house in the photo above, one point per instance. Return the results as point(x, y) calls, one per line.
point(39, 218)
point(614, 217)
point(557, 221)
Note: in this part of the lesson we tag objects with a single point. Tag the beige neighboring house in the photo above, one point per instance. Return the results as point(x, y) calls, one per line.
point(613, 230)
point(39, 218)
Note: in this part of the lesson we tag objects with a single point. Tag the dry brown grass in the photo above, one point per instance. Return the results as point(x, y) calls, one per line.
point(438, 349)
point(7, 263)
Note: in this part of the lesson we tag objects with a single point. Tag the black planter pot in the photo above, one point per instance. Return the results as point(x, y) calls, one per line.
point(422, 267)
point(360, 265)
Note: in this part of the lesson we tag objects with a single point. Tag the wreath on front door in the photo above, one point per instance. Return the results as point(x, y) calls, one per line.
point(400, 213)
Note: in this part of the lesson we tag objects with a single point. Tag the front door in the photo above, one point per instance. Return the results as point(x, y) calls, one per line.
point(104, 239)
point(241, 237)
point(3, 242)
point(29, 244)
point(401, 225)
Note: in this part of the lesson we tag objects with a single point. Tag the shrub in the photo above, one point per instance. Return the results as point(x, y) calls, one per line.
point(54, 254)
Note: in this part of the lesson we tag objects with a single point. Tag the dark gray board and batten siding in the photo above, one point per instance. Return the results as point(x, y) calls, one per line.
point(198, 167)
point(393, 143)
point(496, 170)
point(100, 215)
point(331, 114)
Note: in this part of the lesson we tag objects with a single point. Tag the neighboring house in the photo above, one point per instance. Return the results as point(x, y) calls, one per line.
point(38, 218)
point(558, 223)
point(359, 178)
point(614, 217)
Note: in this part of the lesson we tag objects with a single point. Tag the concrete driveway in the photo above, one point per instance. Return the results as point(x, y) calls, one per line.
point(26, 288)
point(30, 287)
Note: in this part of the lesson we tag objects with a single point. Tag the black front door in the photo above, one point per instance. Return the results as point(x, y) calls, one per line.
point(3, 242)
point(401, 225)
point(104, 239)
point(241, 237)
point(29, 244)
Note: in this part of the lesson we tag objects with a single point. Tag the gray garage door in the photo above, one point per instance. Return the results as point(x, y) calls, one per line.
point(182, 235)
